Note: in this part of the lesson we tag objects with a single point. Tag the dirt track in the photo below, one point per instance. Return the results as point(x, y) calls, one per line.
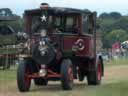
point(113, 74)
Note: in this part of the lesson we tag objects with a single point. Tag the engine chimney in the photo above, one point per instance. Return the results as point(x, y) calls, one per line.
point(44, 5)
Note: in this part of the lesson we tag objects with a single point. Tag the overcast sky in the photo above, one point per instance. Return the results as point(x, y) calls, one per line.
point(18, 6)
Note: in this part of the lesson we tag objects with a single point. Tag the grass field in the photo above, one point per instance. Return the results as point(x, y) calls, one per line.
point(115, 83)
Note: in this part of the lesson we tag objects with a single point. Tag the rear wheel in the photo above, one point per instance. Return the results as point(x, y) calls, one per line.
point(40, 81)
point(94, 77)
point(67, 74)
point(23, 80)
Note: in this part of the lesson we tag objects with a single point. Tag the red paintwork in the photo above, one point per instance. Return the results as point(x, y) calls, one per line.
point(34, 75)
point(99, 72)
point(65, 43)
point(50, 74)
point(70, 40)
point(27, 79)
point(70, 73)
point(79, 22)
point(27, 19)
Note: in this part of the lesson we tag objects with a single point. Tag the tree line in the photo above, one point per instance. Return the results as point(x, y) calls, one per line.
point(114, 28)
point(17, 25)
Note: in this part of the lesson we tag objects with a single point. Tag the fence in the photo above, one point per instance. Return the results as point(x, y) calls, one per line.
point(8, 57)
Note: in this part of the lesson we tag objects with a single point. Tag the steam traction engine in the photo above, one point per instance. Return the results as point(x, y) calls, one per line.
point(60, 45)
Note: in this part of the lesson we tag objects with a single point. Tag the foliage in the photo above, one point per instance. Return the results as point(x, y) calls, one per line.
point(118, 35)
point(121, 23)
point(104, 15)
point(115, 15)
point(114, 28)
point(6, 12)
point(16, 24)
point(112, 15)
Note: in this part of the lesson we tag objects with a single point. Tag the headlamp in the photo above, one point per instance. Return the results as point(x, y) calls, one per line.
point(43, 33)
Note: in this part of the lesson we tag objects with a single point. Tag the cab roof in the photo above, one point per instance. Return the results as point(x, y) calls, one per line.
point(58, 10)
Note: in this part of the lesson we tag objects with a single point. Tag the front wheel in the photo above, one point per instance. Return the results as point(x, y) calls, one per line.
point(67, 74)
point(23, 81)
point(94, 77)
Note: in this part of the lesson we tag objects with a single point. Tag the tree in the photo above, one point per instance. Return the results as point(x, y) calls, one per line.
point(104, 15)
point(115, 15)
point(110, 22)
point(6, 12)
point(112, 15)
point(16, 22)
point(117, 35)
point(121, 23)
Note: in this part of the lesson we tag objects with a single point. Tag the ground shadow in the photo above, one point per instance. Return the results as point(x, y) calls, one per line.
point(57, 87)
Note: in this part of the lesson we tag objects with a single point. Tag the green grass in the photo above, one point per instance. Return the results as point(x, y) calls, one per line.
point(7, 75)
point(114, 89)
point(118, 88)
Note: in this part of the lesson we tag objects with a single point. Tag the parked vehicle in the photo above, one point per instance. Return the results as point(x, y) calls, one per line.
point(61, 45)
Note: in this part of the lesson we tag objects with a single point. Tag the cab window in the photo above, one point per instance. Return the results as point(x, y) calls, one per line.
point(85, 23)
point(70, 24)
point(58, 21)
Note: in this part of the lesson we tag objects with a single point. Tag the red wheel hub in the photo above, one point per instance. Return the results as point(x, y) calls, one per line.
point(70, 73)
point(99, 72)
point(27, 78)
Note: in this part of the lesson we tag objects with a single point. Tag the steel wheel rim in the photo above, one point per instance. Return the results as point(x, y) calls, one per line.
point(27, 79)
point(99, 72)
point(70, 73)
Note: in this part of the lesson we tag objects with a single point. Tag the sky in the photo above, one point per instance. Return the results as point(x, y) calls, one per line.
point(18, 6)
